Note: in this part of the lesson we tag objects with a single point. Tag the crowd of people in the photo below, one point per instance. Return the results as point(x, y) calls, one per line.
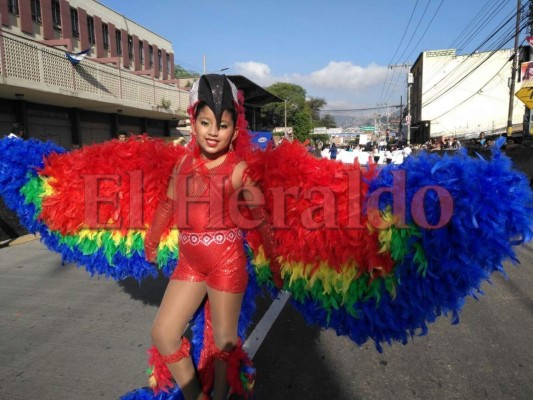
point(442, 144)
point(391, 153)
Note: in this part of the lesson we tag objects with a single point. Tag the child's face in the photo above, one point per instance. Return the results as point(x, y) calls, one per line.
point(213, 141)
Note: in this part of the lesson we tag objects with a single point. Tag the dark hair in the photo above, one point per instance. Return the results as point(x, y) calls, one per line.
point(16, 128)
point(119, 133)
point(203, 104)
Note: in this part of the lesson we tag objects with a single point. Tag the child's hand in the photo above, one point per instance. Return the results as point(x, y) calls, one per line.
point(150, 251)
point(275, 267)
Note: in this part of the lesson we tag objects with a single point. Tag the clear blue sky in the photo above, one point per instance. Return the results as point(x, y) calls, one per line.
point(338, 50)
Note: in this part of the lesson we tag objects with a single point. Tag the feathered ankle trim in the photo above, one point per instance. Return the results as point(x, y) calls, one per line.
point(160, 377)
point(240, 373)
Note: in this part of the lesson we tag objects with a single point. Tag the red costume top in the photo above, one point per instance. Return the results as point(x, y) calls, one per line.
point(210, 242)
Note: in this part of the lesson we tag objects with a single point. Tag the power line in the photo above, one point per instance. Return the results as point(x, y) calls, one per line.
point(396, 52)
point(361, 109)
point(494, 10)
point(456, 70)
point(416, 29)
point(473, 25)
point(464, 76)
point(391, 89)
point(475, 93)
point(424, 33)
point(436, 97)
point(475, 29)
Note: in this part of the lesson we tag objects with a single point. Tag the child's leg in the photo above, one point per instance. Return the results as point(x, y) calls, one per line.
point(225, 311)
point(180, 302)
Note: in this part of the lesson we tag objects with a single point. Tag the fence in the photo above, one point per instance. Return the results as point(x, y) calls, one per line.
point(44, 68)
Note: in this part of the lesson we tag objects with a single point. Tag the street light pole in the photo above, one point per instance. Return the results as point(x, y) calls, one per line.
point(285, 129)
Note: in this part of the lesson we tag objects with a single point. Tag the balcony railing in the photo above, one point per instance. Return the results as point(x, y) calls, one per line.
point(40, 67)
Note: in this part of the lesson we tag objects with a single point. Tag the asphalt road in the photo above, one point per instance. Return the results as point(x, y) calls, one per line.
point(64, 335)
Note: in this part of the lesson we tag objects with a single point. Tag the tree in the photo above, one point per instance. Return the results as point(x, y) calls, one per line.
point(328, 121)
point(315, 104)
point(302, 125)
point(181, 72)
point(301, 114)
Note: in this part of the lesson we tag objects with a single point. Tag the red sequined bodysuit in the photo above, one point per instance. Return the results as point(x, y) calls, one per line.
point(211, 244)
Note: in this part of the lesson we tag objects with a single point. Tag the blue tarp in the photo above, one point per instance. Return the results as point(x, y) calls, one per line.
point(262, 139)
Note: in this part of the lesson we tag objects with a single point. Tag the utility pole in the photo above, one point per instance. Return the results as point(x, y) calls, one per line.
point(401, 111)
point(513, 71)
point(408, 116)
point(387, 110)
point(527, 129)
point(409, 83)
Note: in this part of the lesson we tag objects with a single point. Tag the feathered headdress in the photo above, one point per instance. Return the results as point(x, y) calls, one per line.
point(220, 93)
point(217, 91)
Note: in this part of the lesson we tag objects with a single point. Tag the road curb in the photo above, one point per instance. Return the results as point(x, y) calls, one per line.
point(24, 239)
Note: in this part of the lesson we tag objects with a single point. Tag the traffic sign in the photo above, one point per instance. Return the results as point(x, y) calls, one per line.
point(368, 128)
point(525, 93)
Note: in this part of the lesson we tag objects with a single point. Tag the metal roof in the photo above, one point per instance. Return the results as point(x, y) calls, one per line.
point(254, 95)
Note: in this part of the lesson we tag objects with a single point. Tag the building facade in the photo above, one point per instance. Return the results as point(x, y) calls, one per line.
point(126, 82)
point(461, 95)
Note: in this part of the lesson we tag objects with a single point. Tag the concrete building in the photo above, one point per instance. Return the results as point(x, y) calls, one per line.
point(125, 83)
point(455, 95)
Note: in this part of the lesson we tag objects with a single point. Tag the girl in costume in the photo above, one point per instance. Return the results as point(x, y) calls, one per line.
point(360, 250)
point(212, 258)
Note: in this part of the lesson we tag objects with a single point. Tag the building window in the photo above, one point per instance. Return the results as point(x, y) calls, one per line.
point(168, 63)
point(151, 56)
point(105, 36)
point(36, 10)
point(56, 14)
point(118, 37)
point(141, 53)
point(160, 59)
point(75, 23)
point(130, 47)
point(90, 29)
point(13, 6)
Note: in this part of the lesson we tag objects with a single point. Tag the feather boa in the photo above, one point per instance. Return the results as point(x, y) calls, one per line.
point(386, 283)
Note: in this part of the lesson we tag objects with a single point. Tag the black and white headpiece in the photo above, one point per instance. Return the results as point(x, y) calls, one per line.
point(217, 91)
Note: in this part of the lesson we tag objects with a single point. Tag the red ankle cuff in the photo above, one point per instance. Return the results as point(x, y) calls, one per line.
point(183, 352)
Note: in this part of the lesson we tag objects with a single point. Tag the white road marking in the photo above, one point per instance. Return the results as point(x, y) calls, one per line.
point(254, 341)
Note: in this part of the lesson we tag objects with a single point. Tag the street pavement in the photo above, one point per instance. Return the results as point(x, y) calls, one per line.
point(65, 335)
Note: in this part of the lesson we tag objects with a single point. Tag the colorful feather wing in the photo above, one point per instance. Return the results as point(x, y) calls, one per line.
point(362, 251)
point(93, 205)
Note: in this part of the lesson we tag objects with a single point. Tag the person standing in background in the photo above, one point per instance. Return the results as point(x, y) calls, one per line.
point(333, 152)
point(17, 131)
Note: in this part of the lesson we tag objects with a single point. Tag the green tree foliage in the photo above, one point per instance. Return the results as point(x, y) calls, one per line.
point(302, 125)
point(302, 115)
point(328, 121)
point(181, 72)
point(315, 104)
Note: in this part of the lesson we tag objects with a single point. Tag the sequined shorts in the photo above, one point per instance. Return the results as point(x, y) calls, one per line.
point(217, 258)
